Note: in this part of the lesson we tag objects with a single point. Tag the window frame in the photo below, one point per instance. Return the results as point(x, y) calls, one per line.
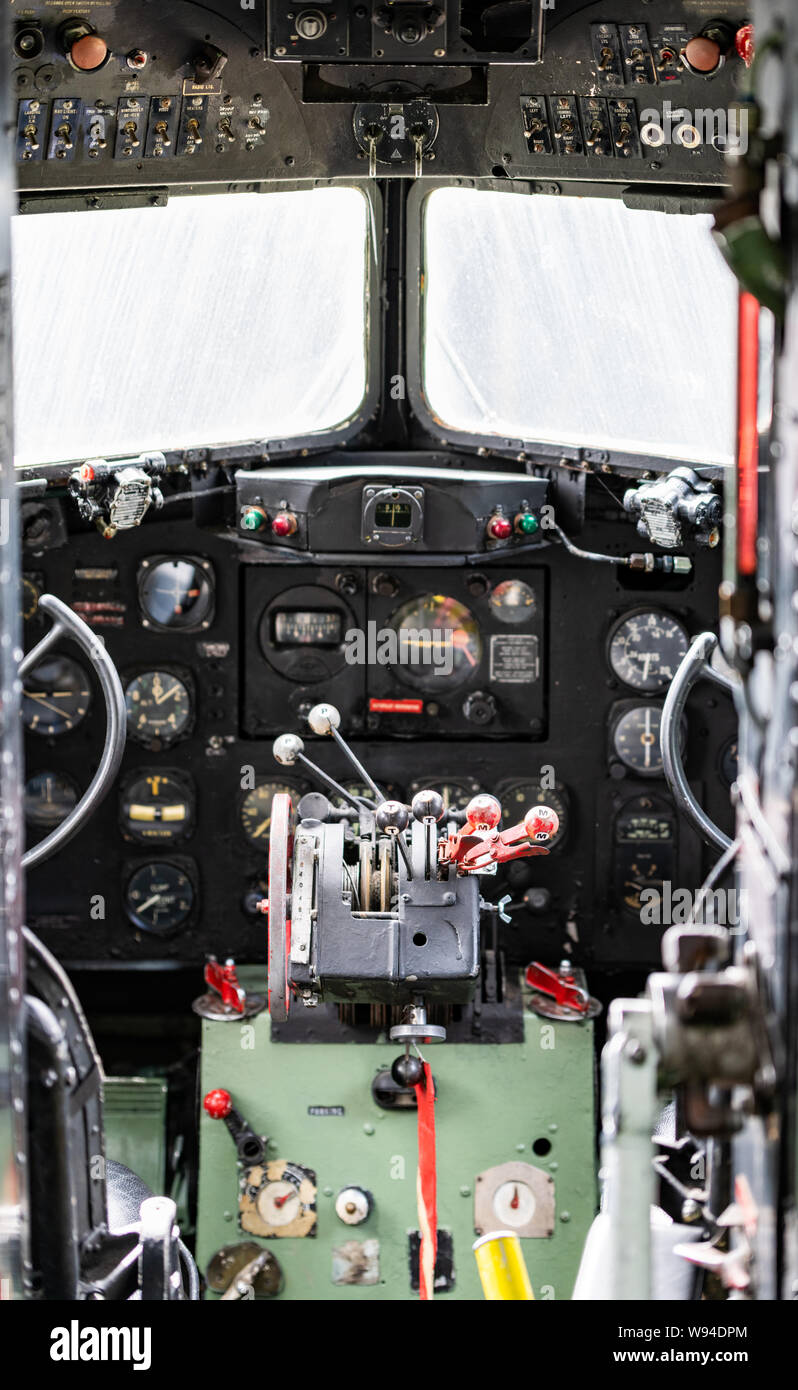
point(544, 451)
point(244, 451)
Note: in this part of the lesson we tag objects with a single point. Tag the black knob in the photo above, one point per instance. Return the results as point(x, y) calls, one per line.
point(346, 583)
point(385, 584)
point(208, 63)
point(479, 707)
point(407, 1070)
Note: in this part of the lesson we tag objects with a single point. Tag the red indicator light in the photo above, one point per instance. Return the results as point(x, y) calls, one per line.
point(284, 524)
point(499, 528)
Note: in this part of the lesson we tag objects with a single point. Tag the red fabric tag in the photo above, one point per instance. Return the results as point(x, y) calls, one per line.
point(427, 1184)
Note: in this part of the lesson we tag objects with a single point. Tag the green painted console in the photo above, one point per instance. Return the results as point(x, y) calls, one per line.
point(525, 1103)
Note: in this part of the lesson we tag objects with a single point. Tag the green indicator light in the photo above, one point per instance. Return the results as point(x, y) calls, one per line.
point(253, 519)
point(527, 524)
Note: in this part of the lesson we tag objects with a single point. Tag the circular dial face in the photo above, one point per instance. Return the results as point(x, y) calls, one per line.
point(456, 791)
point(29, 597)
point(635, 739)
point(159, 897)
point(176, 594)
point(279, 1203)
point(518, 797)
point(256, 809)
point(55, 696)
point(439, 642)
point(156, 806)
point(646, 648)
point(514, 1204)
point(158, 706)
point(48, 799)
point(513, 601)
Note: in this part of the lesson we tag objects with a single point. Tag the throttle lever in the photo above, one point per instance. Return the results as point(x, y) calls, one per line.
point(250, 1147)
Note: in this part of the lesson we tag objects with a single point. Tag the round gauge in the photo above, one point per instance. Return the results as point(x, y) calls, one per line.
point(159, 898)
point(728, 762)
point(29, 602)
point(456, 791)
point(256, 809)
point(514, 1204)
point(157, 806)
point(635, 740)
point(176, 593)
point(646, 648)
point(517, 797)
point(439, 642)
point(48, 799)
point(56, 695)
point(513, 601)
point(279, 1203)
point(158, 707)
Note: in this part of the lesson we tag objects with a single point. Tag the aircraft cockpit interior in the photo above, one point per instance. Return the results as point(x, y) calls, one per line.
point(398, 492)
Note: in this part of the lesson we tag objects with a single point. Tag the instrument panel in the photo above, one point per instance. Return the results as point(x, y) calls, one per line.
point(219, 652)
point(115, 95)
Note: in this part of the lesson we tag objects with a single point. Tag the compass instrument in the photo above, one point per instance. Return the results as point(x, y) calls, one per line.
point(55, 696)
point(176, 593)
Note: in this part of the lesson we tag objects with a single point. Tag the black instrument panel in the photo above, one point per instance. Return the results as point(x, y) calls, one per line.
point(172, 866)
point(127, 94)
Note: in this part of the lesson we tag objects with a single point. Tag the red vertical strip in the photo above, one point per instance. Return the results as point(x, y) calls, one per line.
point(427, 1184)
point(747, 435)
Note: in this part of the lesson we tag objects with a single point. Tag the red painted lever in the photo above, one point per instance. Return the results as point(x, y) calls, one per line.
point(561, 988)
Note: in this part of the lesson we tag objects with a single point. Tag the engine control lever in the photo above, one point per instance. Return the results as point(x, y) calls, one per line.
point(326, 719)
point(226, 999)
point(560, 993)
point(251, 1149)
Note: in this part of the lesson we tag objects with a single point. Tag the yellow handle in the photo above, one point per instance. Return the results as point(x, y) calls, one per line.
point(501, 1266)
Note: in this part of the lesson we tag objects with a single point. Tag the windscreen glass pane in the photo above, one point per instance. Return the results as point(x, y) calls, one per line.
point(578, 321)
point(213, 320)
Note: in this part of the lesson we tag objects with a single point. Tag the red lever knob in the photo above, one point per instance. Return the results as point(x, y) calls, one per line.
point(541, 823)
point(484, 809)
point(218, 1104)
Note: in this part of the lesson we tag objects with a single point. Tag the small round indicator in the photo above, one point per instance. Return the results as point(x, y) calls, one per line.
point(256, 809)
point(176, 594)
point(519, 797)
point(646, 649)
point(513, 601)
point(456, 792)
point(158, 707)
point(157, 807)
point(159, 898)
point(514, 1204)
point(56, 696)
point(48, 799)
point(279, 1203)
point(636, 740)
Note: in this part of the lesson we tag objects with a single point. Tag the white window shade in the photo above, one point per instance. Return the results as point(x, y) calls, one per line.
point(214, 320)
point(578, 321)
